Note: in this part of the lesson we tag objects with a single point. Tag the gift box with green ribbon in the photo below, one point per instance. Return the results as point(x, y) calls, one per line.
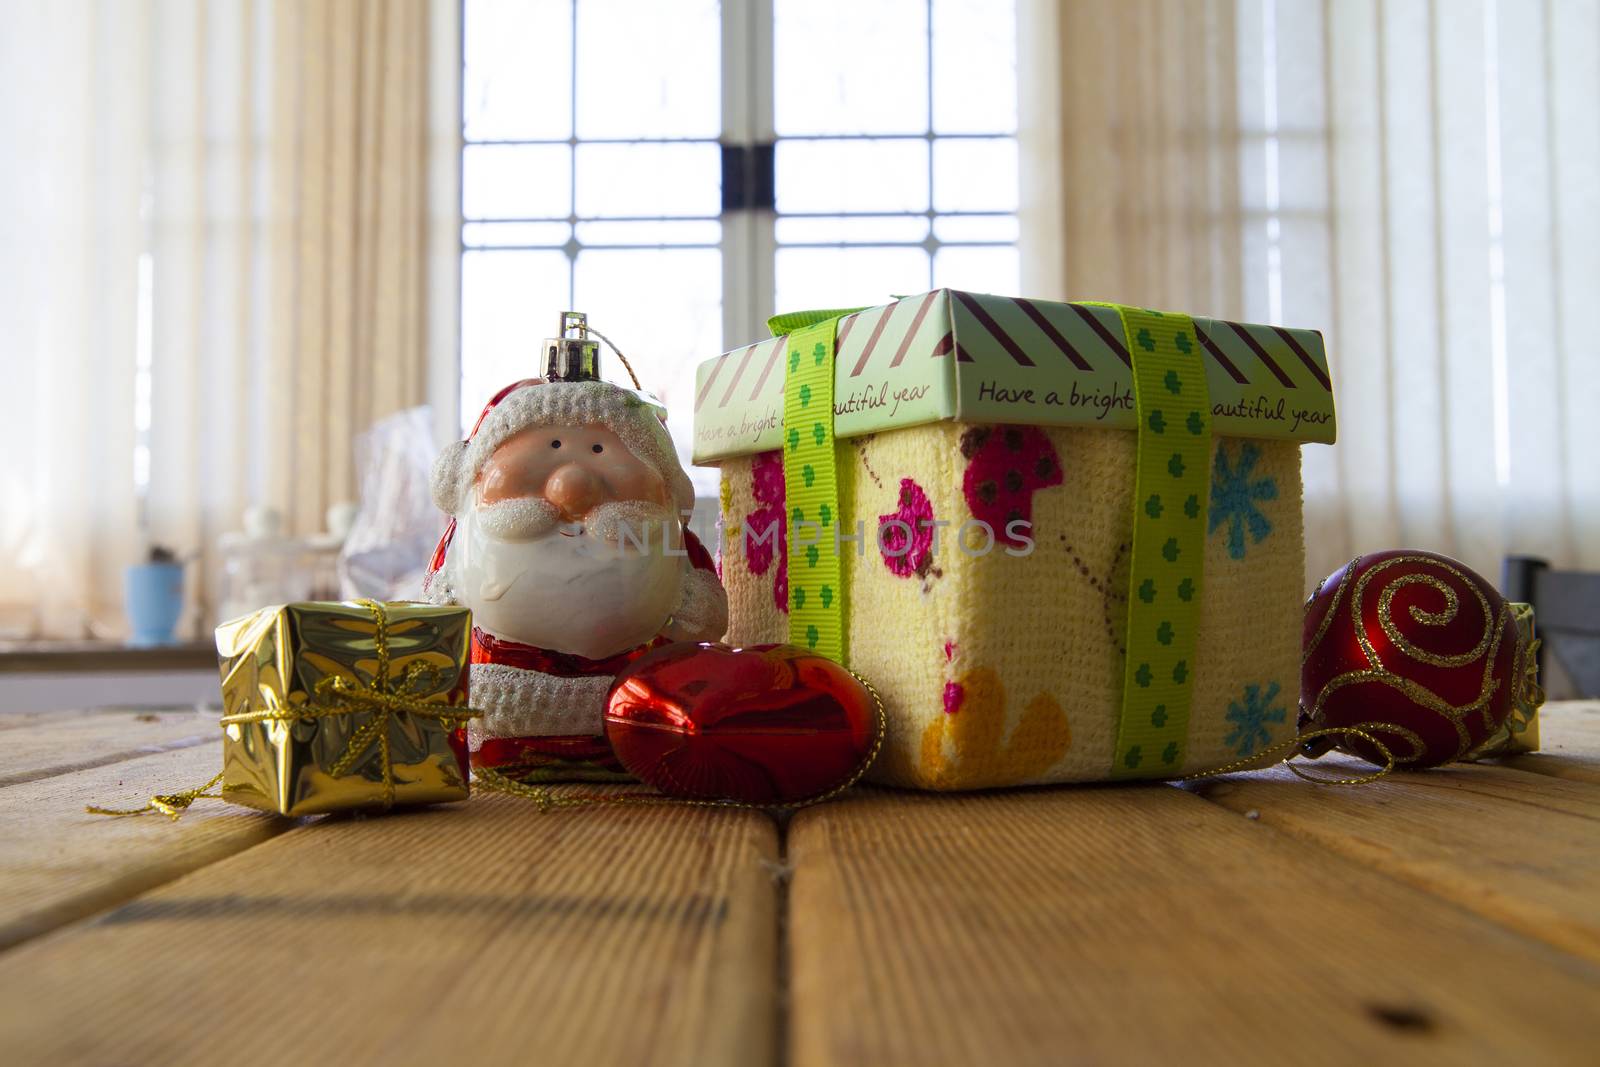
point(1063, 540)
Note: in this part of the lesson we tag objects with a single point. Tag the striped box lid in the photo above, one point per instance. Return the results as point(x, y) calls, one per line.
point(975, 357)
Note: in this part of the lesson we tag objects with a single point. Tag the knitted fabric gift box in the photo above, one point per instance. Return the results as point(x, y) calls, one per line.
point(1002, 657)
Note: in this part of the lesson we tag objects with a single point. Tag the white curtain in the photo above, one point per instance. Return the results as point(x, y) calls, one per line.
point(1420, 180)
point(228, 246)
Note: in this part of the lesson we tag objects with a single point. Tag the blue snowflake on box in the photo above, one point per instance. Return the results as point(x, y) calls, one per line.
point(1235, 496)
point(1250, 719)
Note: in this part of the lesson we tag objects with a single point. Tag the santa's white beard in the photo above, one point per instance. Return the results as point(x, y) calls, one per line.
point(571, 592)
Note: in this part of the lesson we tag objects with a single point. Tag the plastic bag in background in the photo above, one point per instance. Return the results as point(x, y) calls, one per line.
point(397, 525)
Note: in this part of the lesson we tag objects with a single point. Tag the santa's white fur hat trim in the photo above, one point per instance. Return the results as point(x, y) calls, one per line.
point(623, 412)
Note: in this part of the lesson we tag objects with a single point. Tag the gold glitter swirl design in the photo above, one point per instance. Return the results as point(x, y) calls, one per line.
point(1327, 618)
point(1425, 618)
point(1486, 648)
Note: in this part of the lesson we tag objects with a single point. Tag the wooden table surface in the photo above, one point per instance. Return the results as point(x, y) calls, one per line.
point(1443, 916)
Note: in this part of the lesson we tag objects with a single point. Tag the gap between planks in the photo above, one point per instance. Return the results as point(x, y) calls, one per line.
point(621, 934)
point(1521, 849)
point(62, 865)
point(57, 744)
point(167, 763)
point(1138, 924)
point(59, 864)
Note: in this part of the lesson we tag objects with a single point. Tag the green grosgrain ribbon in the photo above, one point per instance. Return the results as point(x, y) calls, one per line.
point(811, 481)
point(1172, 489)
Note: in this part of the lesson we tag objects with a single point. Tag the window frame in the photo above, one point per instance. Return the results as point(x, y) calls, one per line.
point(749, 247)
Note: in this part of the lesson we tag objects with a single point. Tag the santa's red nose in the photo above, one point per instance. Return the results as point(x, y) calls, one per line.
point(574, 490)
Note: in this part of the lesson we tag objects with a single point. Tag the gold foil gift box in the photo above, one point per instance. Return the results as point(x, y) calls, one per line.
point(1520, 732)
point(339, 706)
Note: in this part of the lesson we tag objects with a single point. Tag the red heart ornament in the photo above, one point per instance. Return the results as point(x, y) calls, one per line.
point(769, 724)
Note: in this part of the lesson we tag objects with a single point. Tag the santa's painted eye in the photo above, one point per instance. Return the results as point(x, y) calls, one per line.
point(597, 449)
point(556, 443)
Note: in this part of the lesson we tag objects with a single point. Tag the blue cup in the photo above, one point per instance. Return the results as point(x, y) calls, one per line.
point(153, 600)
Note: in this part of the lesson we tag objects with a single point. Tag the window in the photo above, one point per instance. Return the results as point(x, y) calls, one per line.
point(598, 134)
point(896, 164)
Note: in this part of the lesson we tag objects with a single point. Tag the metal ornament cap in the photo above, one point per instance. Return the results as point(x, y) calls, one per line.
point(573, 356)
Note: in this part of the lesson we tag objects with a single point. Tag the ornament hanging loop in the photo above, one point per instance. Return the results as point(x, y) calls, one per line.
point(574, 356)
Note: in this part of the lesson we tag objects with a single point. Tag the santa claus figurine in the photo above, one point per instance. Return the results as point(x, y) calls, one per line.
point(567, 541)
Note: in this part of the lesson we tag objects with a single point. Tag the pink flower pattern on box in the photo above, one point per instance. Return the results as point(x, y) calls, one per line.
point(1005, 466)
point(766, 485)
point(907, 552)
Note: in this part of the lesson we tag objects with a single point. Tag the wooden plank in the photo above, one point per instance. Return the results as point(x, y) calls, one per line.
point(486, 929)
point(14, 720)
point(59, 864)
point(60, 744)
point(1569, 743)
point(1521, 849)
point(1141, 925)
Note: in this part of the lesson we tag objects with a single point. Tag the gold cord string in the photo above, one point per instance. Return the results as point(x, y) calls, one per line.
point(613, 346)
point(547, 799)
point(385, 702)
point(1290, 748)
point(171, 805)
point(339, 696)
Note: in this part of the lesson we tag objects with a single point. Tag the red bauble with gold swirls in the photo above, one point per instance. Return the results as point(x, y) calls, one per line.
point(1417, 642)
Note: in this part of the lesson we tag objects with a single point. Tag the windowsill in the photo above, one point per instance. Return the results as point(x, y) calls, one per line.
point(34, 657)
